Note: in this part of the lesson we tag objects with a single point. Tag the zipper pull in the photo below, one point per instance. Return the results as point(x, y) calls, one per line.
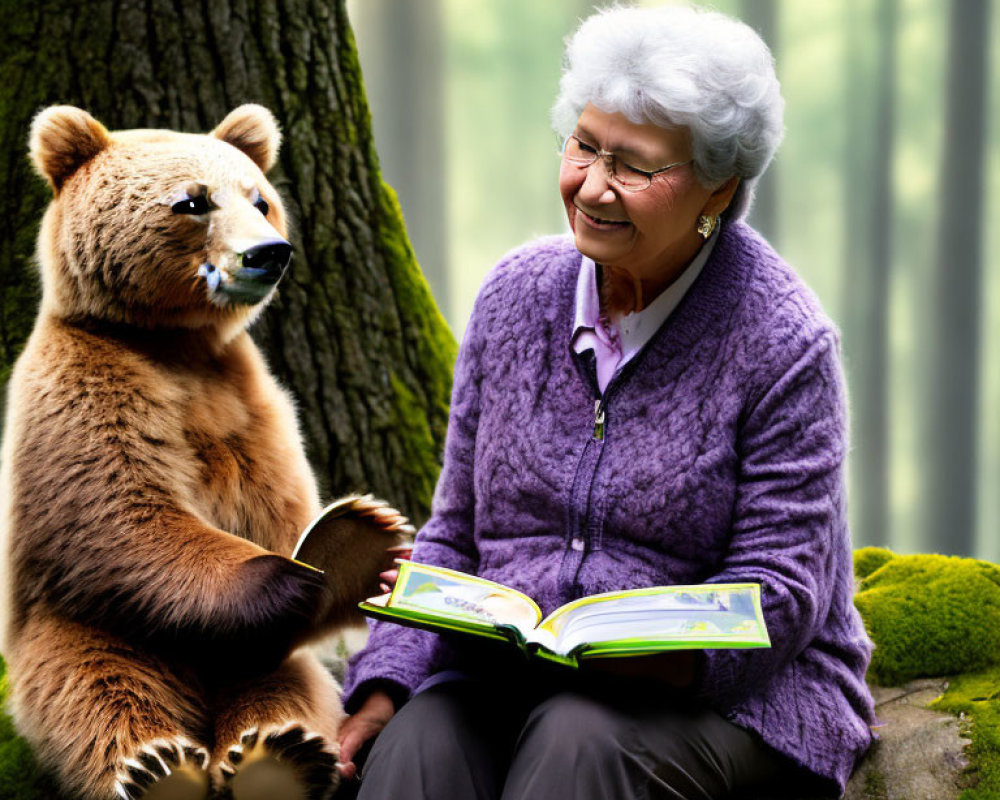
point(598, 421)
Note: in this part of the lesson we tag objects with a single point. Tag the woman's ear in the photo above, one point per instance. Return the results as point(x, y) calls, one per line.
point(720, 199)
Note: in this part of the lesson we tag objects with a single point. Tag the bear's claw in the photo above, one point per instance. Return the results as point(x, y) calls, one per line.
point(379, 512)
point(165, 768)
point(287, 760)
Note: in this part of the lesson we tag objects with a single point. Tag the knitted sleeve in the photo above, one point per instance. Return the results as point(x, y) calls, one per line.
point(399, 658)
point(790, 529)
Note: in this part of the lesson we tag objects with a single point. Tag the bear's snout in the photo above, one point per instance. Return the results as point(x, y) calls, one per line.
point(259, 269)
point(271, 259)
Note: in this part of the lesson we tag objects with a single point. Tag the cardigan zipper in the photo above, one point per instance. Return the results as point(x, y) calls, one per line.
point(583, 525)
point(599, 420)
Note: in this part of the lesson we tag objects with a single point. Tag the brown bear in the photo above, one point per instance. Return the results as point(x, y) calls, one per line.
point(154, 482)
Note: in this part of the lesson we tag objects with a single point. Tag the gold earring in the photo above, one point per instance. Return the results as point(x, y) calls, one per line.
point(706, 224)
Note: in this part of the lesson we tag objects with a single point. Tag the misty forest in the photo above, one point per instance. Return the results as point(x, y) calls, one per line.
point(880, 197)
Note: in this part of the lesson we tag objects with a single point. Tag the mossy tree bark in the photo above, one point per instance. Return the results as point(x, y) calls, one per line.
point(354, 331)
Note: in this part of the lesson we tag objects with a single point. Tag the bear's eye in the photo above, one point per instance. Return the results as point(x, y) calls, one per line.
point(192, 205)
point(261, 205)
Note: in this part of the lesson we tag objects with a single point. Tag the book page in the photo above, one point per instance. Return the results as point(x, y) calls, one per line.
point(455, 595)
point(661, 618)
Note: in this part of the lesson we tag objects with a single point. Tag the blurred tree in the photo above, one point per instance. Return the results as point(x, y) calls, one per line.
point(354, 331)
point(402, 52)
point(868, 209)
point(952, 367)
point(502, 157)
point(762, 16)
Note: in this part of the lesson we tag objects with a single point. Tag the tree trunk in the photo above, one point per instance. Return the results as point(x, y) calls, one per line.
point(354, 332)
point(954, 348)
point(869, 212)
point(762, 16)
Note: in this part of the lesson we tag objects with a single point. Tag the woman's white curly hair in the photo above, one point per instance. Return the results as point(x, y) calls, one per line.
point(680, 66)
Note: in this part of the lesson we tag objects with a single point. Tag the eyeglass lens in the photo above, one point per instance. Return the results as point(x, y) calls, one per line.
point(618, 171)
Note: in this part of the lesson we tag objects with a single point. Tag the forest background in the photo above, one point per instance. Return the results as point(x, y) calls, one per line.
point(881, 197)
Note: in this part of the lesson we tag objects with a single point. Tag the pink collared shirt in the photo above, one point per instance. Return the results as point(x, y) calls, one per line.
point(615, 344)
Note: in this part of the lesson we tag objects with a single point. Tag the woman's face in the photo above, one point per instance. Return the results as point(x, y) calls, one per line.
point(652, 235)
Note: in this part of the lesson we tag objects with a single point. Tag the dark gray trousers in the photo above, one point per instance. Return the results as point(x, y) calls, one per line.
point(474, 740)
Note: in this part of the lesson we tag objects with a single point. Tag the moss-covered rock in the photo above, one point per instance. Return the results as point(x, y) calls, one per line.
point(975, 699)
point(930, 615)
point(869, 559)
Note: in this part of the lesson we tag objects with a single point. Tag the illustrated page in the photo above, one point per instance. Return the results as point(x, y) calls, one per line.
point(443, 592)
point(692, 616)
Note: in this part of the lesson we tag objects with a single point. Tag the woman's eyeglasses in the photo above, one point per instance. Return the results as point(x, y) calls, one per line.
point(620, 173)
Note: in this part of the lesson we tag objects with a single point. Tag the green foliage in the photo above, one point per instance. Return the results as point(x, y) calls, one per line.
point(930, 615)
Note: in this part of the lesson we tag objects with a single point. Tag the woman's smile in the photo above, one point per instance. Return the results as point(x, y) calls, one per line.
point(601, 223)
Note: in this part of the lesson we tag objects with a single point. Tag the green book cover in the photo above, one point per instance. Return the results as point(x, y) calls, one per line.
point(624, 623)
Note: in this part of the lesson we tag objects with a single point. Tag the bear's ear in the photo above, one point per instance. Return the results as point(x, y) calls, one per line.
point(253, 130)
point(63, 139)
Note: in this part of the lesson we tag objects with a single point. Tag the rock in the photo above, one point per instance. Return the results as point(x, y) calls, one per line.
point(920, 753)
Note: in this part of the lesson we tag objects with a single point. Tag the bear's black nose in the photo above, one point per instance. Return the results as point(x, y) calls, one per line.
point(271, 259)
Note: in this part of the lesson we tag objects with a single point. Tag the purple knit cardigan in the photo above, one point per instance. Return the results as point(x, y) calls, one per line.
point(721, 461)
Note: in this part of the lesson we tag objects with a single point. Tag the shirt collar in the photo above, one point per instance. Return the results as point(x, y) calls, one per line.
point(638, 328)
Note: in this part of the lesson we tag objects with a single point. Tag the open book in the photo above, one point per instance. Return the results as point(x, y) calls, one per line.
point(626, 623)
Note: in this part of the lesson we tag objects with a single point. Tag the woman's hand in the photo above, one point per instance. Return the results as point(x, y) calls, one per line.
point(365, 724)
point(388, 578)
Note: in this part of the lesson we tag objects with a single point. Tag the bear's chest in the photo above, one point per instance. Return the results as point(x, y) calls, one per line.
point(237, 460)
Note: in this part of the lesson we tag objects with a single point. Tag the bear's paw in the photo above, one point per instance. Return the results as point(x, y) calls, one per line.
point(378, 512)
point(288, 762)
point(353, 541)
point(165, 769)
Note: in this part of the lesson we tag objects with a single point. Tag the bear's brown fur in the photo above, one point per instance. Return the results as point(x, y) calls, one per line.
point(154, 481)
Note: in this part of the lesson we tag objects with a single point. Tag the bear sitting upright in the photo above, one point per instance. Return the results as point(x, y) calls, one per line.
point(154, 481)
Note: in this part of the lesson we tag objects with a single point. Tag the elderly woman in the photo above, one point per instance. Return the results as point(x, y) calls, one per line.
point(654, 400)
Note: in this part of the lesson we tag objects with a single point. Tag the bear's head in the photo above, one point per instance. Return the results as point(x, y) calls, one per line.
point(156, 229)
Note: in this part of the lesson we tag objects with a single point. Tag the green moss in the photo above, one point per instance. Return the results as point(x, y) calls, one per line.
point(418, 459)
point(935, 615)
point(20, 776)
point(875, 788)
point(931, 615)
point(421, 409)
point(976, 697)
point(437, 346)
point(869, 559)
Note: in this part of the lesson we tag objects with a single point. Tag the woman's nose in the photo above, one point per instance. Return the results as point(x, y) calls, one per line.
point(597, 184)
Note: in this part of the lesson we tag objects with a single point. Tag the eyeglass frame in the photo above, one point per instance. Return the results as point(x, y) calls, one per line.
point(609, 160)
